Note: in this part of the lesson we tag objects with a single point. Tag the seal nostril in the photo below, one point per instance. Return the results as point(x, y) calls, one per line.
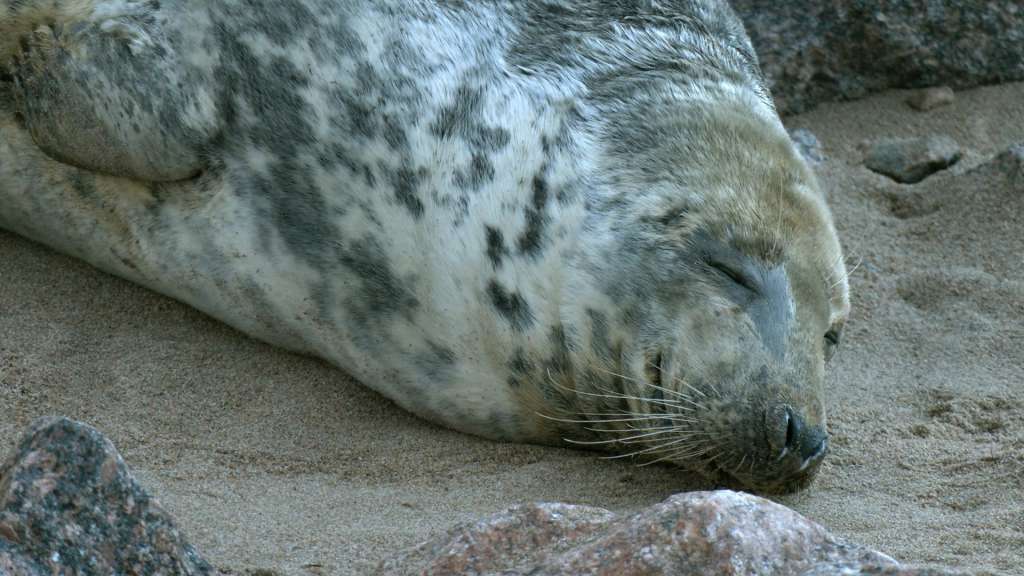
point(653, 369)
point(782, 428)
point(814, 445)
point(793, 429)
point(819, 451)
point(814, 451)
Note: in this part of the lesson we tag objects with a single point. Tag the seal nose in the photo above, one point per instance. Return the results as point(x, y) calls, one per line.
point(811, 445)
point(790, 436)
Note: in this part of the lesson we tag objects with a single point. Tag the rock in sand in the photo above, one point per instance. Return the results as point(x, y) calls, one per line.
point(717, 533)
point(931, 98)
point(910, 160)
point(69, 505)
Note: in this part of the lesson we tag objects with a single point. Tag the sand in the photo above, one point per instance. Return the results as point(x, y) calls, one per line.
point(277, 462)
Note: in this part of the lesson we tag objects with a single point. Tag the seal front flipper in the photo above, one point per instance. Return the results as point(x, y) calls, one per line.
point(100, 87)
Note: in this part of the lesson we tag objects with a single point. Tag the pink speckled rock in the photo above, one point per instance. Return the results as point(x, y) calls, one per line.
point(714, 533)
point(69, 506)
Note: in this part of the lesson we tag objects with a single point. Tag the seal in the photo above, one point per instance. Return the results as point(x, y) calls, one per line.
point(540, 221)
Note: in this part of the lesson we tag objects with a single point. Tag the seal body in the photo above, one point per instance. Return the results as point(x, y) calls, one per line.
point(531, 221)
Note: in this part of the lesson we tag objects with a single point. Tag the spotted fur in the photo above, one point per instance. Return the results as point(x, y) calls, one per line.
point(498, 214)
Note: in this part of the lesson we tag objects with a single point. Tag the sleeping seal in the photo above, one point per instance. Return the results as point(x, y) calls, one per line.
point(542, 221)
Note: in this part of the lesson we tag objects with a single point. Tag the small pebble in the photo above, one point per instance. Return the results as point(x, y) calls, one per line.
point(1011, 163)
point(930, 98)
point(808, 145)
point(910, 160)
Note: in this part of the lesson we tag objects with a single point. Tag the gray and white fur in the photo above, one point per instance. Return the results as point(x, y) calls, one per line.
point(531, 220)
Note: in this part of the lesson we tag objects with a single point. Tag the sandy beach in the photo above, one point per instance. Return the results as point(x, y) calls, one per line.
point(279, 464)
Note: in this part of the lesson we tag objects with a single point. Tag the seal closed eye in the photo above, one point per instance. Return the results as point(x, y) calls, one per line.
point(578, 223)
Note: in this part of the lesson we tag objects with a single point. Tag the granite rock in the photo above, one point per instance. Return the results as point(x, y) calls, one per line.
point(69, 505)
point(910, 160)
point(720, 533)
point(814, 51)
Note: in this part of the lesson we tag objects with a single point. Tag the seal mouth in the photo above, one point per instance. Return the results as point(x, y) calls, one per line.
point(794, 482)
point(794, 472)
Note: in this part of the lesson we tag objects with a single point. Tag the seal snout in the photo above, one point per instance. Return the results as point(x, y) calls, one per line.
point(795, 444)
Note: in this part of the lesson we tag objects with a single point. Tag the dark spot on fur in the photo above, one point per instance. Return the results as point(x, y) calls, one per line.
point(567, 194)
point(511, 306)
point(295, 207)
point(436, 362)
point(531, 240)
point(462, 119)
point(560, 360)
point(282, 114)
point(335, 38)
point(519, 363)
point(491, 138)
point(479, 172)
point(521, 367)
point(496, 249)
point(394, 132)
point(383, 295)
point(406, 184)
point(454, 119)
point(278, 122)
point(287, 21)
point(367, 173)
point(362, 122)
point(600, 342)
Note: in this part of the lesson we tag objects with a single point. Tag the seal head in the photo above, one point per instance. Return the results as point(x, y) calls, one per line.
point(729, 295)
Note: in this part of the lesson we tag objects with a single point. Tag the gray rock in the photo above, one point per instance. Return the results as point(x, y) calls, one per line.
point(808, 145)
point(70, 506)
point(910, 160)
point(695, 533)
point(931, 98)
point(820, 50)
point(14, 563)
